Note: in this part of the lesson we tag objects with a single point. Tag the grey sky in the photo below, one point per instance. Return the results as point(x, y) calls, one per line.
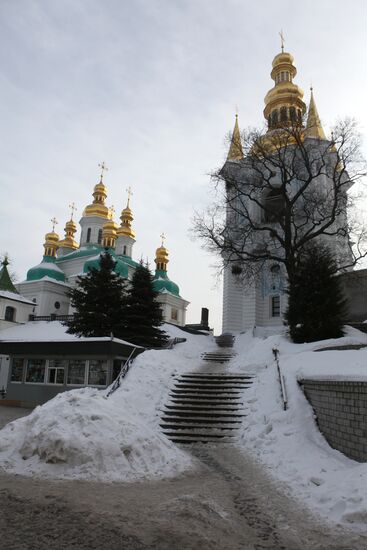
point(151, 87)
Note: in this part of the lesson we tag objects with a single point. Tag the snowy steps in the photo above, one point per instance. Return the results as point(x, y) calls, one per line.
point(205, 407)
point(218, 357)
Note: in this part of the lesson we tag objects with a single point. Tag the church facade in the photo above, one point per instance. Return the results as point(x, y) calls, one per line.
point(64, 260)
point(262, 300)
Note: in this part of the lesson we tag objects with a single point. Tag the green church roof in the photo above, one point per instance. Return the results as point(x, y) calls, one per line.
point(5, 280)
point(120, 268)
point(47, 268)
point(80, 253)
point(161, 282)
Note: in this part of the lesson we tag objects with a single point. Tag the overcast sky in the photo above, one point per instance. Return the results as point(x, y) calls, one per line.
point(151, 87)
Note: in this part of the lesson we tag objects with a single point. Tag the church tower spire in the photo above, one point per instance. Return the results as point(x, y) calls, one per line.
point(125, 233)
point(235, 150)
point(284, 104)
point(314, 128)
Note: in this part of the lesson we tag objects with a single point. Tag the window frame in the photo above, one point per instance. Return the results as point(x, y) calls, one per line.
point(275, 308)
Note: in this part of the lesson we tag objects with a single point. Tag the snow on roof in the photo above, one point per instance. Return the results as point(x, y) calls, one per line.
point(14, 296)
point(50, 331)
point(46, 278)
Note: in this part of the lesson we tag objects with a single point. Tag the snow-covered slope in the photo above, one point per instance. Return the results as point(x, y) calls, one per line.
point(289, 442)
point(83, 434)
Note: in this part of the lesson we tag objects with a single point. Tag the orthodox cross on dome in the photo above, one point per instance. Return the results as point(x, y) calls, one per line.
point(54, 222)
point(282, 40)
point(129, 195)
point(163, 237)
point(73, 209)
point(103, 168)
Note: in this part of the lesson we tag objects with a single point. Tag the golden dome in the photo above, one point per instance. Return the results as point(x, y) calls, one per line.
point(109, 234)
point(51, 243)
point(126, 218)
point(68, 241)
point(98, 207)
point(161, 256)
point(284, 104)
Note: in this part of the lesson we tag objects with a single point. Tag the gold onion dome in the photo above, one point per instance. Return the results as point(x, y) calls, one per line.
point(51, 243)
point(125, 229)
point(284, 105)
point(98, 207)
point(70, 230)
point(161, 257)
point(109, 233)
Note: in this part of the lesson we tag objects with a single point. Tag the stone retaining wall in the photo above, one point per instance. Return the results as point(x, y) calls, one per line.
point(341, 410)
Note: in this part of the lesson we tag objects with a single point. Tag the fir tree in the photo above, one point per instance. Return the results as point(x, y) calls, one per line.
point(143, 312)
point(316, 307)
point(99, 300)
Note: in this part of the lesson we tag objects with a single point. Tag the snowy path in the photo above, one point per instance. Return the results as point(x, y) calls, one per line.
point(229, 504)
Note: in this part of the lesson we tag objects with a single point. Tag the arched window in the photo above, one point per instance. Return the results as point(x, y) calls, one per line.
point(10, 314)
point(125, 250)
point(99, 236)
point(292, 114)
point(274, 206)
point(89, 231)
point(283, 114)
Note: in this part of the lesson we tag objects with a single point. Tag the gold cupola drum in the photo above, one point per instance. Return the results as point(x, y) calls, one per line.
point(98, 207)
point(109, 233)
point(125, 233)
point(68, 244)
point(284, 105)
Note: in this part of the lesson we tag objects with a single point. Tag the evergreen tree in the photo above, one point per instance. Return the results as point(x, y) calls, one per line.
point(316, 307)
point(143, 312)
point(99, 300)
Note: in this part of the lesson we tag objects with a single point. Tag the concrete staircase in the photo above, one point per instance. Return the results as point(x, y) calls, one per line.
point(205, 406)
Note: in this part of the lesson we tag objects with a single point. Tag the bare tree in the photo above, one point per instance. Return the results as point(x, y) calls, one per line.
point(287, 192)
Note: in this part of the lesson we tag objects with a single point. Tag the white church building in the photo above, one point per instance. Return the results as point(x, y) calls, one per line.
point(262, 301)
point(47, 284)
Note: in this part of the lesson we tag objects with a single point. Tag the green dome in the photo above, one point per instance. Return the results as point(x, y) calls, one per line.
point(80, 253)
point(47, 268)
point(120, 268)
point(161, 282)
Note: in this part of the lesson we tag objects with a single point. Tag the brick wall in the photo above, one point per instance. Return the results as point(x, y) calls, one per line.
point(341, 410)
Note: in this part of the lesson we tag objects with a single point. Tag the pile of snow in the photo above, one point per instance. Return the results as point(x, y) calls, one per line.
point(289, 442)
point(83, 434)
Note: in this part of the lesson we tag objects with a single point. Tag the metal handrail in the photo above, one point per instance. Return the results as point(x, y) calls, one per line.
point(123, 372)
point(283, 390)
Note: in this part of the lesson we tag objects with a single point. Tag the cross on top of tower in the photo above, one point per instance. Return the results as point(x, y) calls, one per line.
point(129, 195)
point(54, 222)
point(73, 209)
point(103, 168)
point(163, 237)
point(282, 40)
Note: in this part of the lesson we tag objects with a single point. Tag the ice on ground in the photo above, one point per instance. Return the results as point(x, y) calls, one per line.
point(83, 434)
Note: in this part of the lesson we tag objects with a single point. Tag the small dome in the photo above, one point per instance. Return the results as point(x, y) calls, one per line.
point(283, 57)
point(47, 268)
point(98, 207)
point(162, 283)
point(71, 226)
